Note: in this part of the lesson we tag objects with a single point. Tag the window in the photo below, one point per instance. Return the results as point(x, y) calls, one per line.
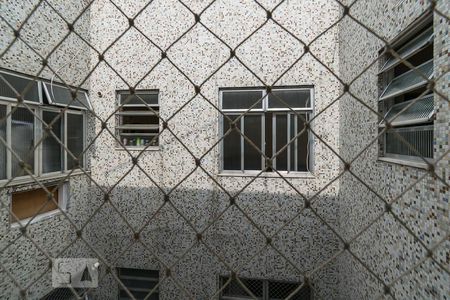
point(405, 101)
point(25, 130)
point(29, 204)
point(263, 290)
point(270, 124)
point(138, 119)
point(12, 84)
point(139, 283)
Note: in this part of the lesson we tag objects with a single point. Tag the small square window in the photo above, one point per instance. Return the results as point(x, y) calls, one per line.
point(139, 282)
point(35, 203)
point(138, 119)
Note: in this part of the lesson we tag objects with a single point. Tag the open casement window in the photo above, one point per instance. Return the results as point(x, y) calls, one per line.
point(405, 101)
point(138, 119)
point(262, 289)
point(23, 126)
point(60, 95)
point(139, 283)
point(256, 124)
point(35, 203)
point(12, 85)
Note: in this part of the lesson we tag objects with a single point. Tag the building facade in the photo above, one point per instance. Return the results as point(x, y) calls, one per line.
point(176, 194)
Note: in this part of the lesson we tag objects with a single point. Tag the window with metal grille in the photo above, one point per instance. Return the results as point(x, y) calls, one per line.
point(257, 124)
point(139, 282)
point(405, 101)
point(36, 133)
point(138, 119)
point(262, 289)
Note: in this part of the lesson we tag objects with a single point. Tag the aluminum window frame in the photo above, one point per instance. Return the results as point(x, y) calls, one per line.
point(119, 115)
point(39, 87)
point(386, 104)
point(38, 134)
point(63, 133)
point(73, 103)
point(309, 112)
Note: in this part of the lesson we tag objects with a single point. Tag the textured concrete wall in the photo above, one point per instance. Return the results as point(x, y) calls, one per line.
point(423, 208)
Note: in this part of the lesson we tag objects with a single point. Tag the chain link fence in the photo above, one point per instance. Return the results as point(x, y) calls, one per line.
point(99, 125)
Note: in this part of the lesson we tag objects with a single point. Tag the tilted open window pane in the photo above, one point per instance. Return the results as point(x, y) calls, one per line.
point(139, 98)
point(409, 81)
point(2, 145)
point(75, 139)
point(62, 96)
point(11, 85)
point(415, 112)
point(409, 49)
point(22, 140)
point(231, 144)
point(51, 148)
point(242, 99)
point(290, 99)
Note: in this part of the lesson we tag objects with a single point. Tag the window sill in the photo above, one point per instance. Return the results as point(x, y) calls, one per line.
point(28, 180)
point(150, 148)
point(404, 162)
point(307, 175)
point(38, 218)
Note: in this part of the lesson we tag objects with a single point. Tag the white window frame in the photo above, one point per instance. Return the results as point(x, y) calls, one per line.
point(63, 203)
point(73, 104)
point(119, 114)
point(38, 132)
point(260, 111)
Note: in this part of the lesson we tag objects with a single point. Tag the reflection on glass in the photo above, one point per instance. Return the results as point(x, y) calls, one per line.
point(75, 142)
point(51, 148)
point(22, 140)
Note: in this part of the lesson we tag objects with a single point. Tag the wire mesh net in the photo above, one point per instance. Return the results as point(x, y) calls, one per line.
point(123, 212)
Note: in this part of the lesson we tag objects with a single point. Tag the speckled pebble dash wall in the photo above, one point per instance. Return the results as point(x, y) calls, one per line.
point(197, 197)
point(387, 246)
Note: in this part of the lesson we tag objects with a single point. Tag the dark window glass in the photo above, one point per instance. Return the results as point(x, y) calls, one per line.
point(19, 85)
point(252, 130)
point(235, 289)
point(2, 145)
point(22, 140)
point(231, 145)
point(139, 98)
point(242, 100)
point(139, 283)
point(281, 141)
point(51, 147)
point(138, 126)
point(290, 99)
point(302, 146)
point(75, 144)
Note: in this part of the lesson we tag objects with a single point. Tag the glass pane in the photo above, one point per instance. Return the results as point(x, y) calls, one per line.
point(62, 95)
point(281, 141)
point(51, 148)
point(241, 99)
point(150, 98)
point(139, 126)
point(252, 130)
point(419, 112)
point(22, 140)
point(20, 84)
point(74, 139)
point(408, 81)
point(419, 137)
point(410, 48)
point(231, 146)
point(2, 145)
point(302, 147)
point(290, 99)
